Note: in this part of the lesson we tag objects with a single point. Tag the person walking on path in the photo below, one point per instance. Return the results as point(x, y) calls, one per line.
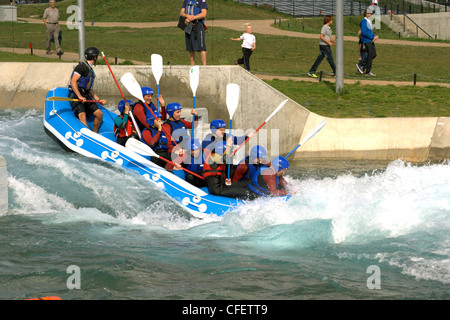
point(248, 45)
point(51, 16)
point(195, 12)
point(325, 47)
point(368, 39)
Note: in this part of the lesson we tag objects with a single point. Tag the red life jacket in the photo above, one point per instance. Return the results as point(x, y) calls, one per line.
point(213, 169)
point(129, 129)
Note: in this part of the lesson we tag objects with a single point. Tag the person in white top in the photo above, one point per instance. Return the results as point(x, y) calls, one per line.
point(248, 46)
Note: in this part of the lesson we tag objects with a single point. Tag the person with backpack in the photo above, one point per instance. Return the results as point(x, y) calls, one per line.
point(194, 12)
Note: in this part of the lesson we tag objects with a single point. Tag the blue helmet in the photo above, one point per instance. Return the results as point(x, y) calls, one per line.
point(279, 163)
point(151, 118)
point(217, 124)
point(146, 90)
point(258, 152)
point(194, 144)
point(172, 107)
point(122, 104)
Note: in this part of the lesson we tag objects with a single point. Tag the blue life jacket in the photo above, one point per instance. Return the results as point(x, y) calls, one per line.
point(251, 168)
point(192, 7)
point(85, 84)
point(257, 183)
point(181, 131)
point(162, 142)
point(196, 165)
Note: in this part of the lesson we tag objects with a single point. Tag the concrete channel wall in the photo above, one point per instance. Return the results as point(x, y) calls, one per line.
point(3, 186)
point(25, 85)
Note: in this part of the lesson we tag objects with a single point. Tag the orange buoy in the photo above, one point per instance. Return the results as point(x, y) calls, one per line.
point(46, 298)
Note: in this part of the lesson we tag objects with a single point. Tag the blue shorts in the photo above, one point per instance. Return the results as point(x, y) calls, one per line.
point(196, 40)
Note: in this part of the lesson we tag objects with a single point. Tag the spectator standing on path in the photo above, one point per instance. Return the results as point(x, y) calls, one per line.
point(195, 12)
point(248, 45)
point(368, 39)
point(51, 16)
point(325, 44)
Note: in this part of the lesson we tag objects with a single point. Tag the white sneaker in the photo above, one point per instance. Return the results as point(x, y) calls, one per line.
point(359, 69)
point(370, 74)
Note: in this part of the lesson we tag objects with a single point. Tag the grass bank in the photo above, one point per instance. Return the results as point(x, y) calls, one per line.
point(367, 101)
point(150, 10)
point(276, 55)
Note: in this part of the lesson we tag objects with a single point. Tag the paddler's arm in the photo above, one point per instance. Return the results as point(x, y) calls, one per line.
point(190, 18)
point(74, 85)
point(241, 170)
point(121, 122)
point(272, 186)
point(139, 114)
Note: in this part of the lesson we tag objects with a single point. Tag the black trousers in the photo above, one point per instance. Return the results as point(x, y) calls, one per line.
point(245, 60)
point(325, 52)
point(371, 54)
point(216, 185)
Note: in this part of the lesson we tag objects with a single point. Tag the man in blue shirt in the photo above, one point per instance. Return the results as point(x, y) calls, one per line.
point(195, 12)
point(368, 39)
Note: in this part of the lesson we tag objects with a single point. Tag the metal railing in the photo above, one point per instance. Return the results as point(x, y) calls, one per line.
point(302, 8)
point(405, 16)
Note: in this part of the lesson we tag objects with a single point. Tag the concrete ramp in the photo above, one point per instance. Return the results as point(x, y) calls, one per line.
point(412, 139)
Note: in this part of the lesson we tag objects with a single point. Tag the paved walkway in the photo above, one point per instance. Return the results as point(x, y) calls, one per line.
point(259, 26)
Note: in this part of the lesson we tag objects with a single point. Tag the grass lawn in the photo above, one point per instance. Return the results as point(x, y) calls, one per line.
point(276, 55)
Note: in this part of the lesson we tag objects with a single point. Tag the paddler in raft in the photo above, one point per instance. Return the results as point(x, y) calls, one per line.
point(191, 160)
point(217, 134)
point(248, 166)
point(141, 112)
point(215, 173)
point(124, 128)
point(156, 139)
point(269, 181)
point(81, 88)
point(176, 129)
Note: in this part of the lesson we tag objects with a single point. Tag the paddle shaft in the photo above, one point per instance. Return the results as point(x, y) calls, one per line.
point(281, 105)
point(123, 96)
point(188, 171)
point(193, 81)
point(149, 151)
point(311, 134)
point(70, 99)
point(229, 156)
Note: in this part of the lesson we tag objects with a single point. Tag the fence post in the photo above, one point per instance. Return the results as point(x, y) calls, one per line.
point(415, 78)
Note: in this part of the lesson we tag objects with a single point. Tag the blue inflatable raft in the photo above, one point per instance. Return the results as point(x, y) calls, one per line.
point(61, 123)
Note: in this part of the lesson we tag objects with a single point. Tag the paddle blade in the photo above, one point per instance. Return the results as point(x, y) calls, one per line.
point(194, 76)
point(232, 98)
point(314, 131)
point(281, 105)
point(140, 147)
point(132, 85)
point(157, 66)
